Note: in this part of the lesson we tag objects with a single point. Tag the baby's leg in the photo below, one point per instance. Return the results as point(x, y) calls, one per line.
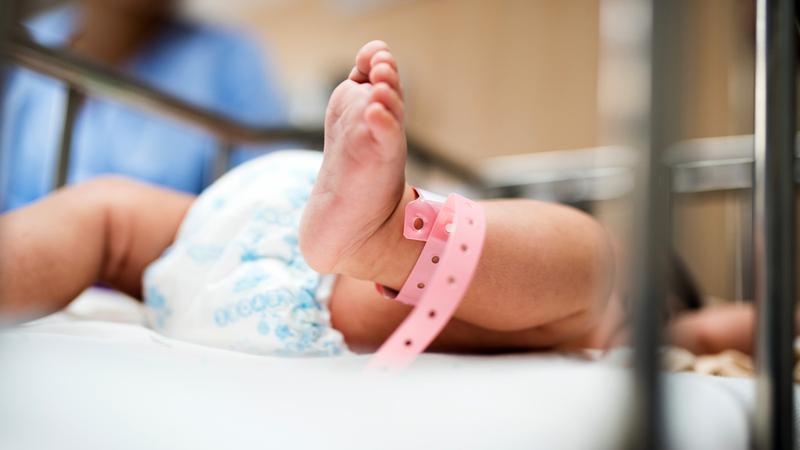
point(545, 272)
point(108, 230)
point(366, 320)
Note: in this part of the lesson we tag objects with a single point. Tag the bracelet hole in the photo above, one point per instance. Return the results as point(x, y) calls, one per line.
point(464, 248)
point(421, 285)
point(435, 260)
point(451, 279)
point(470, 221)
point(449, 227)
point(432, 313)
point(408, 342)
point(418, 223)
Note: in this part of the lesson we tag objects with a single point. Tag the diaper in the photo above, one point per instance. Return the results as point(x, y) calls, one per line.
point(235, 277)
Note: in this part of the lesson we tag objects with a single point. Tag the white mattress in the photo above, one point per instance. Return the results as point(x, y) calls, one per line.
point(95, 377)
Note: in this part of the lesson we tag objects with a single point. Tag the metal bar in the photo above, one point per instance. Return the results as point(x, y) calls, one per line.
point(653, 218)
point(71, 107)
point(774, 222)
point(716, 164)
point(744, 287)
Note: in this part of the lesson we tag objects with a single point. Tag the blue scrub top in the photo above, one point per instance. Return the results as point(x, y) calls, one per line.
point(214, 69)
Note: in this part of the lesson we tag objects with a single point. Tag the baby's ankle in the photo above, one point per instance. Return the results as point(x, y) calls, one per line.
point(387, 257)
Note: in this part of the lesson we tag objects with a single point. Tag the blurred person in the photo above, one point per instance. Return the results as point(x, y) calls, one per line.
point(215, 69)
point(242, 266)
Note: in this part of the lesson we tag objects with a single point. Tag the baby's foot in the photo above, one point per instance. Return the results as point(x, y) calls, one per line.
point(362, 179)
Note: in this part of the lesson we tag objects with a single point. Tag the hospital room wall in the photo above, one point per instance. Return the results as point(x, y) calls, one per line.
point(491, 77)
point(487, 78)
point(482, 77)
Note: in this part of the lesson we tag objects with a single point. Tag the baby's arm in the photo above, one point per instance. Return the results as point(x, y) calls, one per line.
point(108, 230)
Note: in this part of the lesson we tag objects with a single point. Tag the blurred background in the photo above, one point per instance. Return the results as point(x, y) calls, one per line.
point(524, 93)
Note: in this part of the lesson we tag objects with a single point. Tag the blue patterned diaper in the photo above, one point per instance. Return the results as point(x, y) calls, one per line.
point(235, 278)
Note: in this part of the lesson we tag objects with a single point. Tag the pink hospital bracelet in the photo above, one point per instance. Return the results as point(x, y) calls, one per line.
point(454, 233)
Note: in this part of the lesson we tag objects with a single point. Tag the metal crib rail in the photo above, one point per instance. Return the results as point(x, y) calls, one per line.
point(658, 130)
point(84, 78)
point(774, 222)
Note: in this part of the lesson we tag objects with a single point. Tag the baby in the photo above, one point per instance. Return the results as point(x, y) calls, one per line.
point(281, 255)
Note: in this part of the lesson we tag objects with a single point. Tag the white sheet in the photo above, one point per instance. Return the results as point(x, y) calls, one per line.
point(94, 377)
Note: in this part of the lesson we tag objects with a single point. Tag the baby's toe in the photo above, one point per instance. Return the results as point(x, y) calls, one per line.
point(384, 94)
point(357, 76)
point(363, 60)
point(383, 56)
point(383, 125)
point(385, 73)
